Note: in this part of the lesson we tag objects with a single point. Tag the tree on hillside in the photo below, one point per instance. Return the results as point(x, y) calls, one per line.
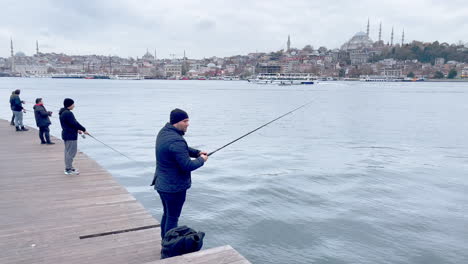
point(452, 74)
point(438, 75)
point(342, 73)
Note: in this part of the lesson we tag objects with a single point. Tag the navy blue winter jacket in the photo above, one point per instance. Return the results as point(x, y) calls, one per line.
point(69, 124)
point(173, 161)
point(15, 103)
point(41, 115)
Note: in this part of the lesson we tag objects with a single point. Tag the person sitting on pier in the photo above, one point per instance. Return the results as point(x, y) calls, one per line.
point(18, 110)
point(70, 130)
point(172, 177)
point(42, 121)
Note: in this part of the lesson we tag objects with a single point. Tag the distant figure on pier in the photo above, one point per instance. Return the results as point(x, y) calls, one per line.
point(18, 110)
point(173, 168)
point(42, 121)
point(70, 130)
point(11, 106)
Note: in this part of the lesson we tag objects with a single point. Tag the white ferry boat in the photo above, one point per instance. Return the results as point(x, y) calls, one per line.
point(231, 78)
point(372, 78)
point(284, 79)
point(127, 77)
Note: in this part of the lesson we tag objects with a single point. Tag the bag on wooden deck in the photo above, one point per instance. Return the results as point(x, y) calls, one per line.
point(181, 240)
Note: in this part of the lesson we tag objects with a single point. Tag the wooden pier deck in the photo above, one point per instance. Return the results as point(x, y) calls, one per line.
point(49, 217)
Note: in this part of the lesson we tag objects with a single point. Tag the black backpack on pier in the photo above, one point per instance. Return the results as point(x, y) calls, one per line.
point(181, 240)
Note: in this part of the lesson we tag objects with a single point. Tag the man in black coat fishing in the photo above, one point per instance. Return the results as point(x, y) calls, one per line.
point(11, 106)
point(174, 164)
point(18, 110)
point(70, 130)
point(42, 121)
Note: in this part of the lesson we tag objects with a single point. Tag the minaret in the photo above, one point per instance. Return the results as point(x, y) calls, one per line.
point(12, 56)
point(37, 47)
point(380, 32)
point(403, 37)
point(289, 43)
point(154, 54)
point(184, 56)
point(391, 38)
point(368, 27)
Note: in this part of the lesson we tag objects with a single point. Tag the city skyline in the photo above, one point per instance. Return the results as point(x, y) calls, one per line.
point(129, 28)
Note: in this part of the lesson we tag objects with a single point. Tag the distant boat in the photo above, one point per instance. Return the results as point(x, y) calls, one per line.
point(231, 78)
point(69, 76)
point(408, 79)
point(378, 78)
point(128, 76)
point(284, 79)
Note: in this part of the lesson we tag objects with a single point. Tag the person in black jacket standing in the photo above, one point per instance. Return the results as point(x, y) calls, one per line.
point(70, 130)
point(18, 110)
point(173, 168)
point(11, 106)
point(42, 121)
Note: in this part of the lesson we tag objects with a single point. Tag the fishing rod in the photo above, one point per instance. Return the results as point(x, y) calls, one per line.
point(211, 153)
point(83, 136)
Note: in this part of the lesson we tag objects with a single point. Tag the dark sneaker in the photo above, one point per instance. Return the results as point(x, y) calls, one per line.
point(43, 143)
point(24, 129)
point(50, 143)
point(18, 128)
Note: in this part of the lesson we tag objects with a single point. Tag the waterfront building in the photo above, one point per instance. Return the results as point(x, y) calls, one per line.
point(173, 70)
point(267, 68)
point(392, 73)
point(28, 70)
point(464, 72)
point(439, 61)
point(359, 56)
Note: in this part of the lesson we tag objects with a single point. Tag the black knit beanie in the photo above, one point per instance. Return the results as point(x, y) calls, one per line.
point(68, 102)
point(178, 115)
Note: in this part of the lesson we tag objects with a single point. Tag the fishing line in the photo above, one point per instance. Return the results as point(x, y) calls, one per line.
point(83, 136)
point(304, 105)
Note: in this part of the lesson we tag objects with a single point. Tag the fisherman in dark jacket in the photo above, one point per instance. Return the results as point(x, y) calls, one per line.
point(11, 106)
point(173, 167)
point(70, 130)
point(42, 121)
point(18, 110)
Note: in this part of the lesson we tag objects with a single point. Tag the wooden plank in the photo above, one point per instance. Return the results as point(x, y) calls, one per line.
point(222, 255)
point(44, 212)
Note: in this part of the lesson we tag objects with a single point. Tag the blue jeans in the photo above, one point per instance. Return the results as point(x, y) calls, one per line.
point(172, 204)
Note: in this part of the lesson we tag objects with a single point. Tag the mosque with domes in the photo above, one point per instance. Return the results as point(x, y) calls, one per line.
point(361, 47)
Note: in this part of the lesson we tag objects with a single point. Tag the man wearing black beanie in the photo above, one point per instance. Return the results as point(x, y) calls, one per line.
point(70, 130)
point(174, 164)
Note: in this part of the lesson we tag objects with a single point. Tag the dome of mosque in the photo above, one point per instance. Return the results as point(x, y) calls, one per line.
point(148, 56)
point(20, 54)
point(360, 40)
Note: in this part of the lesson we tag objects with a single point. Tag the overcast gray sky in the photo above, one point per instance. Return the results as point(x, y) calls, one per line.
point(218, 28)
